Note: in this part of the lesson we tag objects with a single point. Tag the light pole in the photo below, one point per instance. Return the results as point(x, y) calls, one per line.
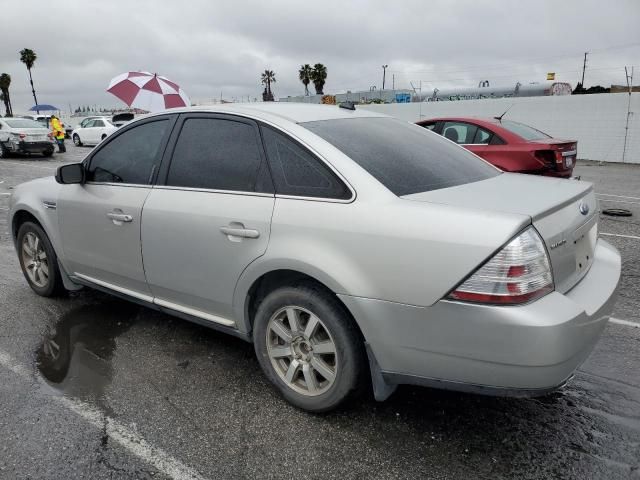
point(384, 71)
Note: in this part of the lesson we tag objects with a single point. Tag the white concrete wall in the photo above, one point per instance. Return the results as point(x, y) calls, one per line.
point(596, 121)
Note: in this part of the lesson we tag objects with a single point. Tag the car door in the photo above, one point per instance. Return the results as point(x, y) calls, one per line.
point(88, 132)
point(208, 217)
point(100, 219)
point(98, 130)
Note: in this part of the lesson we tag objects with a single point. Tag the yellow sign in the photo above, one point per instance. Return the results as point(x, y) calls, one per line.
point(551, 76)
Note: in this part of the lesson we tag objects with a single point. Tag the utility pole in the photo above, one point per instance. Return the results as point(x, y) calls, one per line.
point(629, 112)
point(384, 71)
point(584, 66)
point(393, 82)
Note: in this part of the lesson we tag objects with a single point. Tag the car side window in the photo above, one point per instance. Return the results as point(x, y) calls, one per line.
point(98, 123)
point(219, 154)
point(496, 140)
point(296, 171)
point(459, 132)
point(482, 137)
point(129, 157)
point(429, 126)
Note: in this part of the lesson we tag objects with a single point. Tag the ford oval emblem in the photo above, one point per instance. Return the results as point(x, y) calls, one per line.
point(584, 208)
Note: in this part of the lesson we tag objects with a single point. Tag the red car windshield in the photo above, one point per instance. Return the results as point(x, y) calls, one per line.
point(524, 131)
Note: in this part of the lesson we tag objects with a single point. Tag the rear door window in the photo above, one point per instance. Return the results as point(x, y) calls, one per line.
point(483, 137)
point(459, 132)
point(403, 157)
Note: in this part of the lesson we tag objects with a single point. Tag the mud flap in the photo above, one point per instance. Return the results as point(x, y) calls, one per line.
point(381, 389)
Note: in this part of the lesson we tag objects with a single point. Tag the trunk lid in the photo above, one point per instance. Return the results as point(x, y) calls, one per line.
point(33, 134)
point(564, 212)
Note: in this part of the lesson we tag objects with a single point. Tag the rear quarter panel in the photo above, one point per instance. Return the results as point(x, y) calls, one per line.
point(400, 251)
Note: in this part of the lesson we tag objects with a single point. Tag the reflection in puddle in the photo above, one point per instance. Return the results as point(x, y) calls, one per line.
point(75, 357)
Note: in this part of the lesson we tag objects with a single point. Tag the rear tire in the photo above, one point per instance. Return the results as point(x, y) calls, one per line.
point(309, 347)
point(103, 136)
point(4, 153)
point(38, 261)
point(47, 153)
point(76, 140)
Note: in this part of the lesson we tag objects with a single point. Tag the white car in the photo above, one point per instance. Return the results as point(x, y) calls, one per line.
point(93, 131)
point(22, 135)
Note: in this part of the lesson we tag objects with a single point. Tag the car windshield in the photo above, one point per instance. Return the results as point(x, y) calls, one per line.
point(403, 157)
point(22, 123)
point(524, 131)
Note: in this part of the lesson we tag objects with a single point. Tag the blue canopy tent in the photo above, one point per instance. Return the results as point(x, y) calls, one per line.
point(43, 108)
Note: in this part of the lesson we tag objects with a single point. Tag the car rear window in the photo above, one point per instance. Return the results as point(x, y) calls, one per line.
point(524, 131)
point(404, 157)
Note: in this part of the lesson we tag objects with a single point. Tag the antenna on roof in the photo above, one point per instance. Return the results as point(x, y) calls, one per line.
point(499, 117)
point(348, 105)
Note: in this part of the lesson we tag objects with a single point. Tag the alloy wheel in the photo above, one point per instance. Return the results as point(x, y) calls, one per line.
point(302, 350)
point(35, 260)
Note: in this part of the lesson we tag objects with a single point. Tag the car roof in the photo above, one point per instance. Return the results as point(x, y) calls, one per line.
point(290, 111)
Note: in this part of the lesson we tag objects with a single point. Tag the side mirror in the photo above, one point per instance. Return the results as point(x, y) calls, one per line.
point(72, 173)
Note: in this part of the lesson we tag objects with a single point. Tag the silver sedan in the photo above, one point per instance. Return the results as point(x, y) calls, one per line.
point(351, 248)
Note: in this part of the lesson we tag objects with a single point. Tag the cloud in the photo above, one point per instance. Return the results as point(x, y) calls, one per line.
point(220, 48)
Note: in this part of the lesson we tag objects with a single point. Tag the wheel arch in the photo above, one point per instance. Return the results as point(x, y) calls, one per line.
point(254, 285)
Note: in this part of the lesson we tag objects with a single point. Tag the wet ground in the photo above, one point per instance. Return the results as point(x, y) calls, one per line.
point(94, 387)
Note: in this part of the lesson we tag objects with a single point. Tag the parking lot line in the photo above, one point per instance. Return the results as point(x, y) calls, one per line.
point(624, 322)
point(4, 193)
point(619, 201)
point(127, 438)
point(634, 237)
point(616, 196)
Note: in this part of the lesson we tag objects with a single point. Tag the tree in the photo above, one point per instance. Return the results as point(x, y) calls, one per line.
point(268, 77)
point(319, 77)
point(304, 74)
point(28, 57)
point(5, 82)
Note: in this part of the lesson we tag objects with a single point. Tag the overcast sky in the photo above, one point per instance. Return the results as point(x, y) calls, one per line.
point(213, 47)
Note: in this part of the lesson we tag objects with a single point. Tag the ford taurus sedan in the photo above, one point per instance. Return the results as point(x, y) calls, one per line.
point(351, 248)
point(510, 146)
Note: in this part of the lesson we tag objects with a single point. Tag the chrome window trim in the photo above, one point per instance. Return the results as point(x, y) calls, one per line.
point(211, 190)
point(114, 184)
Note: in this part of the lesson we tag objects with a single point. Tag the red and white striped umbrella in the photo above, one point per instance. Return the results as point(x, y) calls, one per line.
point(148, 91)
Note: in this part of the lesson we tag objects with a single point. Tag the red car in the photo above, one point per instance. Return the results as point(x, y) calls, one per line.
point(509, 145)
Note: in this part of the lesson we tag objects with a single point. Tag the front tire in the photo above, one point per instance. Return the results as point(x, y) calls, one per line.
point(38, 261)
point(309, 347)
point(4, 153)
point(76, 140)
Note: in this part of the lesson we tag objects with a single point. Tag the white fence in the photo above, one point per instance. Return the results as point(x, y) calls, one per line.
point(597, 122)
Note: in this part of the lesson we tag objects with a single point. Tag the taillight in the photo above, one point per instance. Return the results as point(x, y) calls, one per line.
point(518, 273)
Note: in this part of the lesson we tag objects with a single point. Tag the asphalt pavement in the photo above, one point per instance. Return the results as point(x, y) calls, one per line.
point(95, 387)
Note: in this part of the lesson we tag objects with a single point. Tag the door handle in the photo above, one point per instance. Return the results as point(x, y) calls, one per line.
point(119, 218)
point(239, 232)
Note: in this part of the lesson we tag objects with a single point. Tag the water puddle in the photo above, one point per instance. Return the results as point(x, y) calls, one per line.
point(75, 357)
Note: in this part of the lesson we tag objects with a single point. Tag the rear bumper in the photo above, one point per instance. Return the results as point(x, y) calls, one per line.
point(30, 147)
point(517, 351)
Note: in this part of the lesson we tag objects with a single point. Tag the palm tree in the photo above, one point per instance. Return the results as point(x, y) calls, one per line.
point(28, 57)
point(318, 77)
point(5, 82)
point(268, 77)
point(304, 74)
